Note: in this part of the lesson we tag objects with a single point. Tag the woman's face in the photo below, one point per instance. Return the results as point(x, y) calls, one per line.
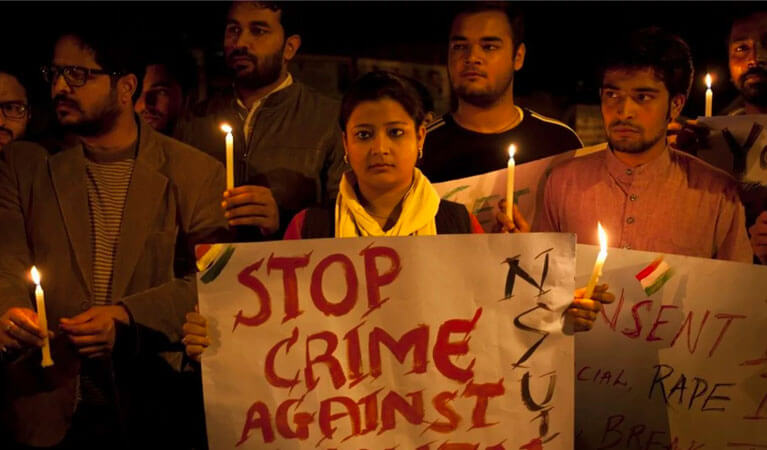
point(382, 144)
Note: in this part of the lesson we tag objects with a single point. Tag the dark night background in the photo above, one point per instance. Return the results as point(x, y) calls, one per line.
point(564, 39)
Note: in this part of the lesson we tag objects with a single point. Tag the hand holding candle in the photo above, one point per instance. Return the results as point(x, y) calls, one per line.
point(229, 155)
point(709, 96)
point(597, 272)
point(42, 321)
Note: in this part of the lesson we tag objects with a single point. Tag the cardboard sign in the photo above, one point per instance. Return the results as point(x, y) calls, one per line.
point(679, 360)
point(444, 342)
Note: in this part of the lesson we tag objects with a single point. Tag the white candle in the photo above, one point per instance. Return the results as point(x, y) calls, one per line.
point(597, 272)
point(510, 183)
point(42, 321)
point(709, 96)
point(229, 156)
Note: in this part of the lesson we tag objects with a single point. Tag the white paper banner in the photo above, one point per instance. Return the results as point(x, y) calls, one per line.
point(445, 342)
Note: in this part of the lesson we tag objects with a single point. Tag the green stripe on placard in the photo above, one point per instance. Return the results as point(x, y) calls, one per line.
point(659, 282)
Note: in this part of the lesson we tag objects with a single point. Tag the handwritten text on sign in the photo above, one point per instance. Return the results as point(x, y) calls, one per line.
point(448, 342)
point(683, 367)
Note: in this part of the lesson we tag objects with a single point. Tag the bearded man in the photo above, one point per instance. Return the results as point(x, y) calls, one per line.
point(288, 150)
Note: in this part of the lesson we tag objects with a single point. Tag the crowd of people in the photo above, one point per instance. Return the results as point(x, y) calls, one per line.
point(110, 209)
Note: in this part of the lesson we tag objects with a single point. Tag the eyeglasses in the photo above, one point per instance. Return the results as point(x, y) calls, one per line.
point(75, 76)
point(14, 110)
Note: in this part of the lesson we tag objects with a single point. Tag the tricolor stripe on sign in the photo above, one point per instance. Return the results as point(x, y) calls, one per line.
point(211, 259)
point(654, 276)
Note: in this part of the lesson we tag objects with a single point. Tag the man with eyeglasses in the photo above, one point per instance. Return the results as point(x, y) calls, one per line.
point(110, 221)
point(14, 108)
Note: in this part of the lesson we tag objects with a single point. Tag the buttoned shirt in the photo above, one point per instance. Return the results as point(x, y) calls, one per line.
point(675, 203)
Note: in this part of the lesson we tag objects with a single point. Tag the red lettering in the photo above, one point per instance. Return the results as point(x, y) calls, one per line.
point(483, 392)
point(730, 318)
point(318, 296)
point(614, 320)
point(288, 267)
point(417, 339)
point(269, 369)
point(354, 355)
point(443, 348)
point(636, 432)
point(651, 337)
point(441, 404)
point(688, 324)
point(263, 422)
point(246, 278)
point(393, 402)
point(327, 419)
point(374, 279)
point(633, 334)
point(302, 421)
point(580, 372)
point(336, 372)
point(370, 403)
point(652, 441)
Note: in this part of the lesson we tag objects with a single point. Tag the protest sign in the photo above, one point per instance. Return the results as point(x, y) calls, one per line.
point(679, 360)
point(481, 193)
point(442, 342)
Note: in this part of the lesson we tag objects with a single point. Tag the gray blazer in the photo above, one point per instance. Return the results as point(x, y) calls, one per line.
point(173, 202)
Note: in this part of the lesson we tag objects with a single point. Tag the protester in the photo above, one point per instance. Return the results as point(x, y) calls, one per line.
point(110, 222)
point(169, 77)
point(14, 108)
point(486, 48)
point(288, 151)
point(646, 195)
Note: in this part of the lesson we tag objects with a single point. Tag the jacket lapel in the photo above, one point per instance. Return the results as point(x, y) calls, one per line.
point(68, 175)
point(146, 193)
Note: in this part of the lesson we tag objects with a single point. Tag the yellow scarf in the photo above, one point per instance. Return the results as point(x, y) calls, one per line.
point(419, 207)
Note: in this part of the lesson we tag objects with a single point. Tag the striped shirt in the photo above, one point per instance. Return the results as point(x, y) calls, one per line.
point(108, 177)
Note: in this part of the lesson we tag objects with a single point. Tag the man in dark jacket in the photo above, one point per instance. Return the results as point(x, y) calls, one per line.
point(287, 146)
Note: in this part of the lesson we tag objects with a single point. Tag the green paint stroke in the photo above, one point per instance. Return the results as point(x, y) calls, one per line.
point(454, 192)
point(218, 265)
point(658, 284)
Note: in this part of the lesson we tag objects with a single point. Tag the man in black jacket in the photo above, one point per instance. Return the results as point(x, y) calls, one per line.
point(287, 146)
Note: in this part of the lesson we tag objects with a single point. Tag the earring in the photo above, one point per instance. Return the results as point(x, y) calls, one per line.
point(420, 152)
point(346, 158)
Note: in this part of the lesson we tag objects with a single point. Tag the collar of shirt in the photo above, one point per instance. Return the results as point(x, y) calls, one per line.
point(247, 127)
point(640, 176)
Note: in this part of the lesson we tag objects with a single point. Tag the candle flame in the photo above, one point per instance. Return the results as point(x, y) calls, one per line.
point(226, 128)
point(512, 151)
point(708, 80)
point(35, 275)
point(602, 238)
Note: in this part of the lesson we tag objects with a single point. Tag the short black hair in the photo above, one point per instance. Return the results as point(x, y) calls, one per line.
point(743, 13)
point(179, 63)
point(377, 85)
point(18, 74)
point(113, 51)
point(290, 17)
point(513, 15)
point(665, 53)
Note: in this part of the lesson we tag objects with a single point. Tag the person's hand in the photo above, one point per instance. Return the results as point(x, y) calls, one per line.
point(196, 338)
point(252, 205)
point(18, 329)
point(506, 225)
point(93, 331)
point(582, 312)
point(689, 136)
point(758, 233)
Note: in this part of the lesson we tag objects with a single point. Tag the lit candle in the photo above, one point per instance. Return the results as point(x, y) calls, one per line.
point(229, 156)
point(42, 322)
point(510, 183)
point(709, 96)
point(600, 262)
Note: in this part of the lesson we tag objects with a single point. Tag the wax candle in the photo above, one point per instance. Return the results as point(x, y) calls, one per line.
point(709, 96)
point(229, 155)
point(601, 257)
point(510, 183)
point(42, 321)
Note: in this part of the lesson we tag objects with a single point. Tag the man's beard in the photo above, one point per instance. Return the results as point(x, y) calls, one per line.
point(636, 146)
point(486, 97)
point(265, 70)
point(100, 123)
point(755, 93)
